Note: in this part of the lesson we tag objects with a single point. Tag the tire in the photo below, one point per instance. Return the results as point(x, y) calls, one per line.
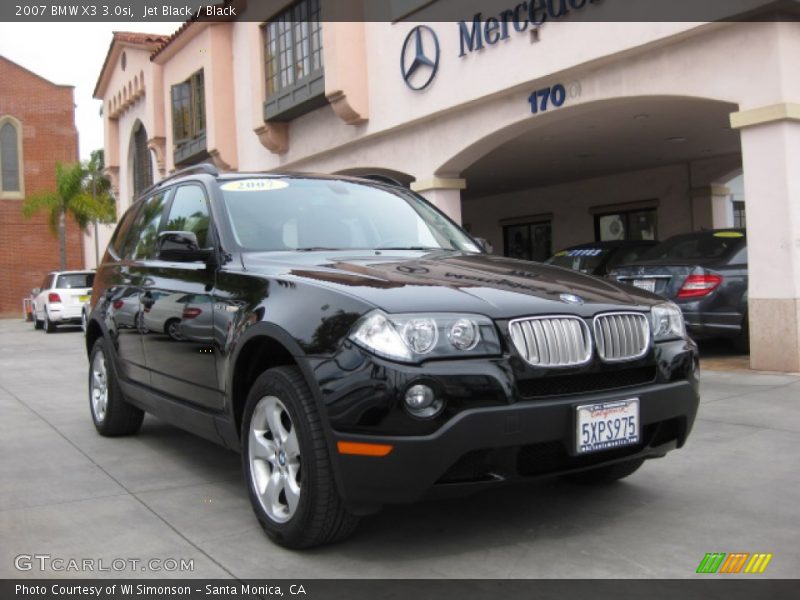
point(37, 324)
point(607, 474)
point(111, 414)
point(171, 329)
point(741, 343)
point(49, 326)
point(303, 507)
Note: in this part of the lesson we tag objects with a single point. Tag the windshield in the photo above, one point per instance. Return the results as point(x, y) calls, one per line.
point(317, 214)
point(75, 281)
point(585, 260)
point(696, 247)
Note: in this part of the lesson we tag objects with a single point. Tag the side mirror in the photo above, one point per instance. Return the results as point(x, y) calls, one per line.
point(181, 246)
point(36, 291)
point(485, 244)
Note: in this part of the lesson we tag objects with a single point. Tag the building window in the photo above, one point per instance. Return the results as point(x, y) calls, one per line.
point(739, 218)
point(11, 172)
point(528, 241)
point(293, 63)
point(626, 225)
point(189, 119)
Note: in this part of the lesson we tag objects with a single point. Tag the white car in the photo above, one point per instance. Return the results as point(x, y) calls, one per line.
point(61, 299)
point(163, 312)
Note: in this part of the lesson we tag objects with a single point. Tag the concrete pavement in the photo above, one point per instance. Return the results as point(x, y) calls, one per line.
point(67, 492)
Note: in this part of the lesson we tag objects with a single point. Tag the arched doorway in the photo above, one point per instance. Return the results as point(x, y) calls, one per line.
point(142, 168)
point(633, 168)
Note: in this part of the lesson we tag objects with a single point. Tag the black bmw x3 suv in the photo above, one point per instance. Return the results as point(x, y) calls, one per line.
point(358, 348)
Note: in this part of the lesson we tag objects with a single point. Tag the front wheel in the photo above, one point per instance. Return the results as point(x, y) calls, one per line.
point(287, 465)
point(111, 414)
point(607, 474)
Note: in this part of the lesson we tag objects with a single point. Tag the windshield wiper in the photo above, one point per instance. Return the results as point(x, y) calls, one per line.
point(316, 249)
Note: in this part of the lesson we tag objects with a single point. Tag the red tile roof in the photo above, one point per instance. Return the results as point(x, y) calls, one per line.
point(169, 39)
point(239, 6)
point(147, 40)
point(134, 37)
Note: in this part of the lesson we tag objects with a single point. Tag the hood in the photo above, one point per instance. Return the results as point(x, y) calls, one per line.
point(403, 281)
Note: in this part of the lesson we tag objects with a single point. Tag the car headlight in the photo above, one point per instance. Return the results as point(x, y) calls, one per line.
point(417, 337)
point(667, 322)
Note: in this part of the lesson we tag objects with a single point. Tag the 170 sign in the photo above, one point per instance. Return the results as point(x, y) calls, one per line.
point(542, 100)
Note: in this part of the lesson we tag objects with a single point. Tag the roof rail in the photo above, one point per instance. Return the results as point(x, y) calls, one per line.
point(204, 167)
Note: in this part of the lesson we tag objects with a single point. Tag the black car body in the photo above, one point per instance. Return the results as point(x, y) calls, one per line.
point(598, 258)
point(494, 359)
point(705, 273)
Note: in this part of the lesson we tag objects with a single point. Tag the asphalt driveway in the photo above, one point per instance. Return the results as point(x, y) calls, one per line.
point(68, 493)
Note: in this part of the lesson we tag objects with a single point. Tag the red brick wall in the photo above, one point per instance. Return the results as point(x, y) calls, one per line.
point(27, 248)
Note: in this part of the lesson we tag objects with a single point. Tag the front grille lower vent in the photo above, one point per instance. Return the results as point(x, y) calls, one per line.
point(621, 336)
point(552, 341)
point(581, 383)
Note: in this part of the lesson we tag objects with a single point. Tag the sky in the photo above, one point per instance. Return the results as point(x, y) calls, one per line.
point(71, 54)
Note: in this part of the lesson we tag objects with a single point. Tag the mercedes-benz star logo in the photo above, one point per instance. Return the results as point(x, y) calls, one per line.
point(571, 299)
point(419, 59)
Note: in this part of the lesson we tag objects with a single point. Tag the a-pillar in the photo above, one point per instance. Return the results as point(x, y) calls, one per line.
point(444, 194)
point(771, 154)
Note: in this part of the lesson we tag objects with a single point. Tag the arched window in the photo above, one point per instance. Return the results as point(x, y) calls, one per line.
point(11, 174)
point(142, 166)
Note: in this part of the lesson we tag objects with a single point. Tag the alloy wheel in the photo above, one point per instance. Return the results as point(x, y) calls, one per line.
point(99, 387)
point(274, 454)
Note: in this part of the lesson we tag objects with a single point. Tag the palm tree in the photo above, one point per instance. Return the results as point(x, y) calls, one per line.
point(99, 186)
point(69, 198)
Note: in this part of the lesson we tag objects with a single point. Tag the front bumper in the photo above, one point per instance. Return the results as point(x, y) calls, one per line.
point(487, 446)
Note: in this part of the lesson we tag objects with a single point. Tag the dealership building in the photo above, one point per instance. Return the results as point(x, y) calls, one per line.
point(535, 130)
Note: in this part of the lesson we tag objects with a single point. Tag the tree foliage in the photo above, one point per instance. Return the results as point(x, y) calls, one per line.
point(82, 192)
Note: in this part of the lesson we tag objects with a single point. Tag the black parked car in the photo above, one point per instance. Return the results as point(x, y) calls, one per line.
point(705, 273)
point(598, 258)
point(362, 349)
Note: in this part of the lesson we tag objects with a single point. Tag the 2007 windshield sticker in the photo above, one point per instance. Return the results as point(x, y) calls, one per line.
point(254, 185)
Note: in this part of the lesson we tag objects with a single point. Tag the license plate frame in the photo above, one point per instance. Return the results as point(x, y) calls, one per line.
point(648, 285)
point(612, 417)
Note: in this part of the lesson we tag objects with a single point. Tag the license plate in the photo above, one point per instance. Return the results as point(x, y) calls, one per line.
point(84, 298)
point(606, 426)
point(645, 284)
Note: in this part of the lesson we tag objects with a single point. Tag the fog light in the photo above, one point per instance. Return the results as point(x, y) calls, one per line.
point(422, 402)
